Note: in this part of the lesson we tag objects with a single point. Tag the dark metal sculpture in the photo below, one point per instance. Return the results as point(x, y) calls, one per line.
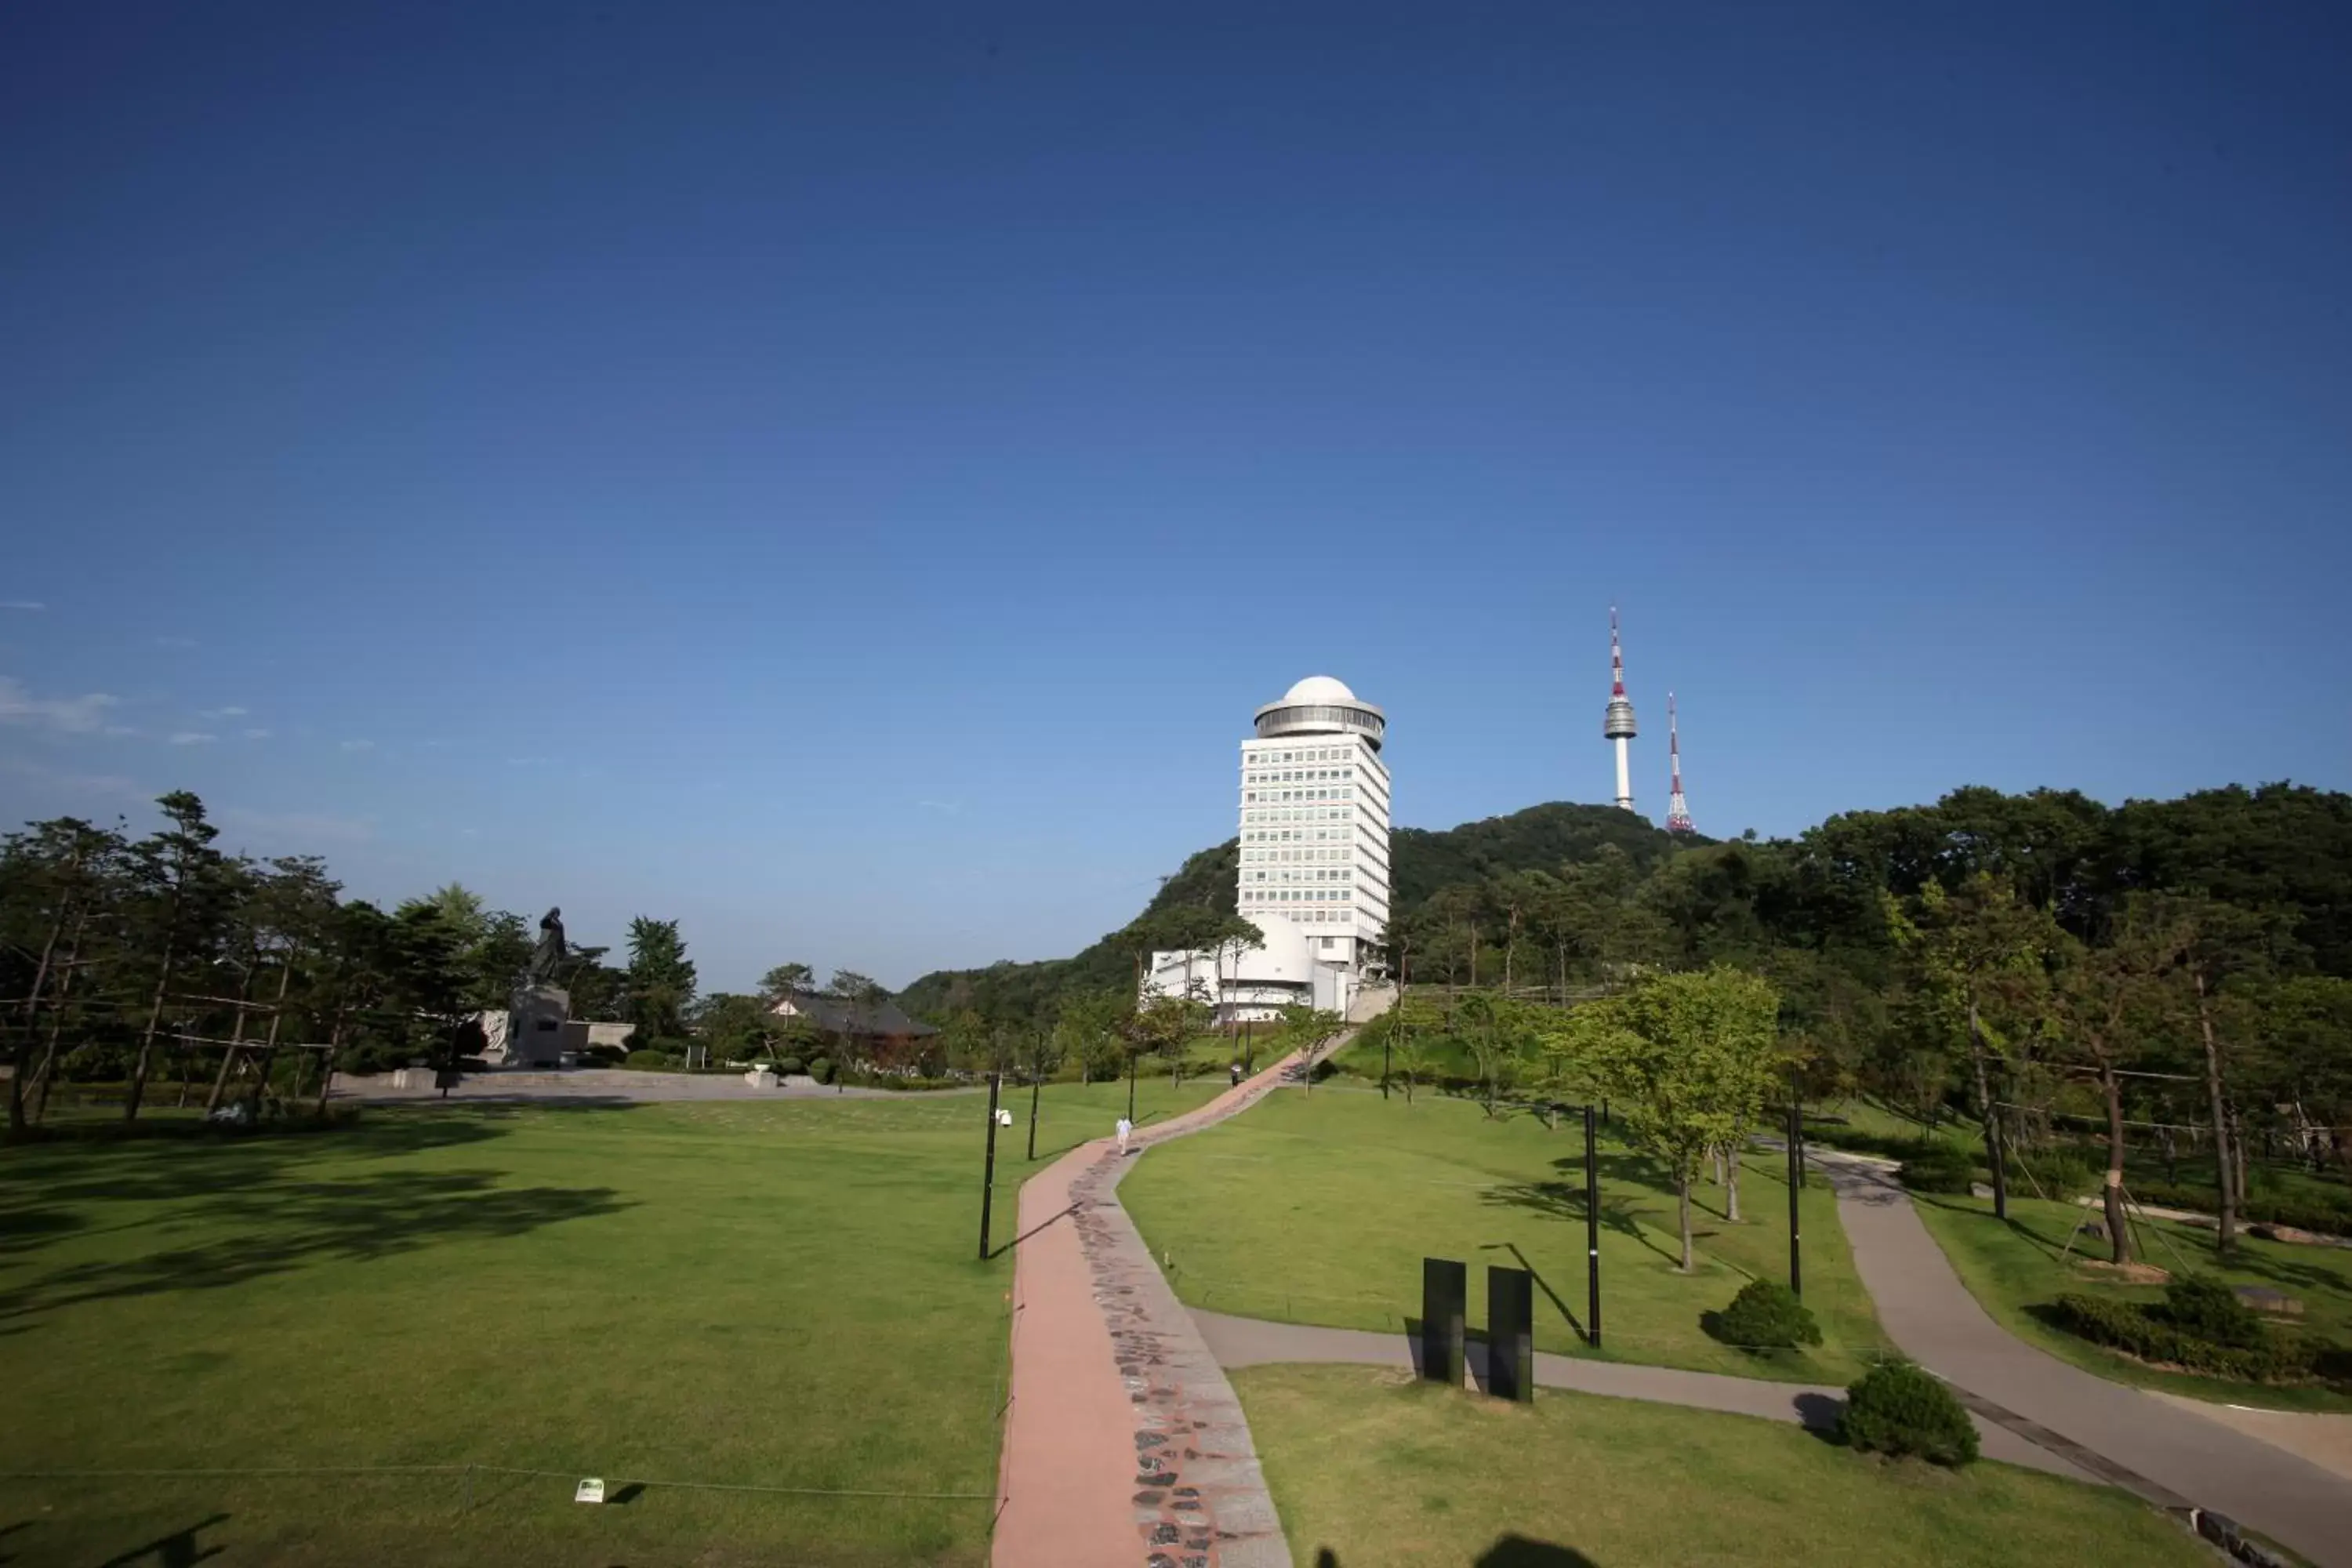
point(1444, 1289)
point(548, 957)
point(1511, 1334)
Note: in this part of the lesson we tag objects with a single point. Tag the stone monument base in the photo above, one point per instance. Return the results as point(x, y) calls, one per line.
point(536, 1036)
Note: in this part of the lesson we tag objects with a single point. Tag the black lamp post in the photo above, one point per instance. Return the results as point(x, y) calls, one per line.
point(1592, 1228)
point(988, 1177)
point(1796, 1185)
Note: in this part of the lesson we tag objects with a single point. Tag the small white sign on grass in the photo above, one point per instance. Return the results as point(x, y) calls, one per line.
point(590, 1490)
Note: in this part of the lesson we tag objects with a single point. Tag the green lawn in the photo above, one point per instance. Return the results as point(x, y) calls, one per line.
point(780, 1293)
point(1381, 1472)
point(1319, 1208)
point(2015, 1267)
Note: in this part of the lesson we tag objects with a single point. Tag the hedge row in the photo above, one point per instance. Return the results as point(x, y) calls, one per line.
point(2192, 1330)
point(1939, 1169)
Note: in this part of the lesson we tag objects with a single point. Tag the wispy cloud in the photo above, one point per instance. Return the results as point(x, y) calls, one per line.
point(950, 807)
point(111, 787)
point(359, 745)
point(222, 712)
point(22, 605)
point(175, 642)
point(119, 730)
point(76, 715)
point(193, 737)
point(256, 734)
point(299, 829)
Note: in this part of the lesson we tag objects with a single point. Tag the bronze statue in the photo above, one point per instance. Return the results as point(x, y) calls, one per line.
point(548, 956)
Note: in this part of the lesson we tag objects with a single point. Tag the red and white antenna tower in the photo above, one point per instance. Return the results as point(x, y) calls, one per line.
point(1617, 720)
point(1678, 816)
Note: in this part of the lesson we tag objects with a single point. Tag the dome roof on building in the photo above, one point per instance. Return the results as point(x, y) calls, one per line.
point(1319, 689)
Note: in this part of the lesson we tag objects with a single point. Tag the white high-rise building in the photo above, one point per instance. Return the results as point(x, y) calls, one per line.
point(1313, 864)
point(1315, 823)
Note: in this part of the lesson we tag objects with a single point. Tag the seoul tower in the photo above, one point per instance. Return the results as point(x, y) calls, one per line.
point(1617, 723)
point(1679, 819)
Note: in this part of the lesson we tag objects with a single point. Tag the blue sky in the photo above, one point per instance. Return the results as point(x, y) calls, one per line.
point(843, 477)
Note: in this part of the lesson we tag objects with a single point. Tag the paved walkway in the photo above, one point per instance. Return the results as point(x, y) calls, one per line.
point(1124, 1443)
point(2170, 1455)
point(1248, 1341)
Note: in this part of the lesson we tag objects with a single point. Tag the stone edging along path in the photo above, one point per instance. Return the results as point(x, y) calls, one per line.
point(1123, 1442)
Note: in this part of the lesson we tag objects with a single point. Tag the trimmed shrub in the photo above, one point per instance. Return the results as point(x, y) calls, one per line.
point(790, 1066)
point(1898, 1409)
point(2201, 1326)
point(652, 1061)
point(1941, 1169)
point(821, 1069)
point(1767, 1315)
point(2201, 1305)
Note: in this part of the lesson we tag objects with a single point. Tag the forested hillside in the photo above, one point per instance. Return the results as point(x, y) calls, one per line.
point(1542, 837)
point(1560, 892)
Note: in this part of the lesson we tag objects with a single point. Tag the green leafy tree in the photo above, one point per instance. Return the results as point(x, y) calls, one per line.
point(1042, 1054)
point(1980, 958)
point(736, 1028)
point(859, 996)
point(1232, 939)
point(785, 979)
point(1502, 1037)
point(660, 987)
point(55, 879)
point(183, 887)
point(429, 983)
point(1166, 1025)
point(968, 1041)
point(1302, 1031)
point(293, 914)
point(1677, 1055)
point(1091, 1028)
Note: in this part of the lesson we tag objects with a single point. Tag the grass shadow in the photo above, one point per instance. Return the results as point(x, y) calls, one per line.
point(1541, 1283)
point(176, 1549)
point(1823, 1415)
point(166, 1170)
point(301, 1223)
point(1565, 1201)
point(1521, 1552)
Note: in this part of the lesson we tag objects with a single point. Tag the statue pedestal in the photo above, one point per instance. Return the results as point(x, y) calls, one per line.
point(536, 1036)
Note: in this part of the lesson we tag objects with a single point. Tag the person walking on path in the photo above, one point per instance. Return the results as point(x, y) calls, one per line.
point(1125, 1127)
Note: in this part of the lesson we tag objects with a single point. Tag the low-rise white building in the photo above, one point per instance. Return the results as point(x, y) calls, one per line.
point(1257, 984)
